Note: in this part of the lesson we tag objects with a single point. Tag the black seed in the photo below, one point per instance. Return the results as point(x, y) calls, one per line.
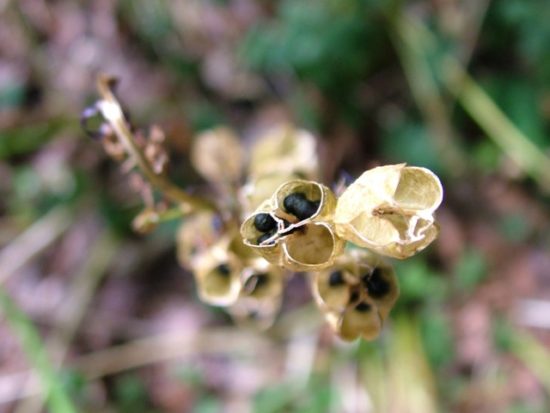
point(354, 296)
point(223, 269)
point(298, 205)
point(264, 237)
point(264, 222)
point(377, 286)
point(336, 279)
point(362, 307)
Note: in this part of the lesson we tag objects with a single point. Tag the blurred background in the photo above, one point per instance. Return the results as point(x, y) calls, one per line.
point(96, 318)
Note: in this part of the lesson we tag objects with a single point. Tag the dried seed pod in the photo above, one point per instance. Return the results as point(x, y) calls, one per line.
point(311, 247)
point(304, 238)
point(357, 294)
point(390, 209)
point(217, 274)
point(261, 188)
point(266, 243)
point(261, 294)
point(285, 150)
point(359, 320)
point(218, 156)
point(196, 235)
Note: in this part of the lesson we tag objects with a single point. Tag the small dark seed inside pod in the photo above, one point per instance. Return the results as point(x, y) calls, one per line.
point(223, 269)
point(264, 237)
point(264, 222)
point(335, 279)
point(362, 307)
point(377, 286)
point(298, 205)
point(354, 296)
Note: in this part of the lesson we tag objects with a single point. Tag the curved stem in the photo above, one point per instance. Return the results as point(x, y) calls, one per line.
point(112, 112)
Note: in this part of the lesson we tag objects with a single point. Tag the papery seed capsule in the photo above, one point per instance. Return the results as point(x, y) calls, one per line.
point(336, 279)
point(298, 205)
point(362, 307)
point(264, 222)
point(377, 286)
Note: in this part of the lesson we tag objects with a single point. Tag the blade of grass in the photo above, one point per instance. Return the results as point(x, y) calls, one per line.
point(58, 400)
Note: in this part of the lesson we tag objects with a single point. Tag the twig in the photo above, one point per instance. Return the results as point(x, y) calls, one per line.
point(112, 112)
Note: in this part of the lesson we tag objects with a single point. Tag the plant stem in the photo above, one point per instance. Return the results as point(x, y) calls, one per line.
point(112, 112)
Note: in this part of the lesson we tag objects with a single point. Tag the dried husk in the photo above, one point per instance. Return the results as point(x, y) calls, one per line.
point(259, 302)
point(336, 303)
point(272, 252)
point(313, 247)
point(217, 287)
point(389, 209)
point(196, 234)
point(218, 156)
point(285, 150)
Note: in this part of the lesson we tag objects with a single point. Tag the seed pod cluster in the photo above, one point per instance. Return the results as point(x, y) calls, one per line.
point(356, 295)
point(294, 228)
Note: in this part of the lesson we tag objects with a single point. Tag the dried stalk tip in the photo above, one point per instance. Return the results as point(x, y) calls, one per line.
point(390, 209)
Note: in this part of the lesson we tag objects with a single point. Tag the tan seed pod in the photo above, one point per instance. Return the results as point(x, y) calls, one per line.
point(390, 209)
point(312, 201)
point(261, 294)
point(196, 235)
point(217, 274)
point(217, 155)
point(261, 188)
point(361, 320)
point(357, 294)
point(285, 150)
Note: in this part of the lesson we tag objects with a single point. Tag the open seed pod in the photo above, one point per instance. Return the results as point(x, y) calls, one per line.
point(390, 209)
point(261, 294)
point(285, 150)
point(196, 234)
point(357, 294)
point(217, 155)
point(218, 275)
point(259, 232)
point(294, 227)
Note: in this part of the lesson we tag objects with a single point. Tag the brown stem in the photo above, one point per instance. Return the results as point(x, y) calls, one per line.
point(112, 112)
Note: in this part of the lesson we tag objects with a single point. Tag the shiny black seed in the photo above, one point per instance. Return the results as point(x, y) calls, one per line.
point(377, 286)
point(336, 279)
point(362, 307)
point(264, 237)
point(223, 269)
point(298, 205)
point(264, 222)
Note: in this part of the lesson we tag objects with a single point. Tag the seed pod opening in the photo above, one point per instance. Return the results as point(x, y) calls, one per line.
point(312, 247)
point(389, 209)
point(217, 274)
point(304, 200)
